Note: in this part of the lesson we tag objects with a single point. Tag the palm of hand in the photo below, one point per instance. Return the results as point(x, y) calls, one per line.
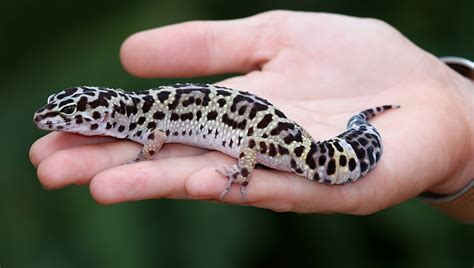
point(318, 69)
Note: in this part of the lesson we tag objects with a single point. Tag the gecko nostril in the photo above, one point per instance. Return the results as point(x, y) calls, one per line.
point(38, 118)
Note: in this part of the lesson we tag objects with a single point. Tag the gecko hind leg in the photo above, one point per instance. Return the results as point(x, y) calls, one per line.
point(240, 173)
point(231, 175)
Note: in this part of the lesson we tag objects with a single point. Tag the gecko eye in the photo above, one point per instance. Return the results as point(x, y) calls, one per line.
point(70, 109)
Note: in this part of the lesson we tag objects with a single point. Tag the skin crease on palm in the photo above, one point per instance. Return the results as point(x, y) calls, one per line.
point(319, 69)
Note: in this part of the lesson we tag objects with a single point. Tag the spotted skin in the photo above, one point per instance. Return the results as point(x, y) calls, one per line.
point(234, 122)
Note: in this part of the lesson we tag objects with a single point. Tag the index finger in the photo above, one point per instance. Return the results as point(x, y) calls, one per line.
point(202, 47)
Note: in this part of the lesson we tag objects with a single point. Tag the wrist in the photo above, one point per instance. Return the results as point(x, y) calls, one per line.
point(463, 89)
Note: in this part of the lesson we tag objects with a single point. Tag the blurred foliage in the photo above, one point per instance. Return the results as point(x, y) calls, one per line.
point(48, 45)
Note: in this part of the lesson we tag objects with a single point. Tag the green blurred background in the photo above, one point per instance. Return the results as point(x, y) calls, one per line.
point(49, 45)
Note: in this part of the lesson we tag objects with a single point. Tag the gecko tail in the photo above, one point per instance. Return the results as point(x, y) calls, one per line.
point(368, 114)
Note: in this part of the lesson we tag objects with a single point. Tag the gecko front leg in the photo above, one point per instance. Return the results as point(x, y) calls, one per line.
point(152, 145)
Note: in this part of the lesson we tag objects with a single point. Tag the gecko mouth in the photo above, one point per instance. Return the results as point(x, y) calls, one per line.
point(49, 125)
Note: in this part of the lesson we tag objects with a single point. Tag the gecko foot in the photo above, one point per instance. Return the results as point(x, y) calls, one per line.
point(233, 175)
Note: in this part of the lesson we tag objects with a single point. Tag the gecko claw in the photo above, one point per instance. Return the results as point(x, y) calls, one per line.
point(229, 174)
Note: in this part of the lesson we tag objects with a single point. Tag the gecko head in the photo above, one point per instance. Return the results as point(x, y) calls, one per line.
point(82, 110)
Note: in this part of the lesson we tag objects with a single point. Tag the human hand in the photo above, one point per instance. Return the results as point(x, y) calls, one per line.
point(319, 69)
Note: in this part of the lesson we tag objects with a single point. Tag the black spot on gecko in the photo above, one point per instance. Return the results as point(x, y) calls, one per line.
point(121, 129)
point(265, 121)
point(174, 117)
point(272, 150)
point(242, 124)
point(363, 166)
point(82, 104)
point(263, 147)
point(186, 116)
point(147, 104)
point(94, 126)
point(151, 125)
point(279, 113)
point(100, 101)
point(289, 139)
point(256, 108)
point(352, 164)
point(331, 167)
point(96, 115)
point(316, 176)
point(67, 92)
point(377, 156)
point(299, 150)
point(228, 121)
point(338, 146)
point(252, 143)
point(252, 114)
point(221, 102)
point(293, 163)
point(223, 93)
point(175, 102)
point(163, 95)
point(141, 120)
point(282, 126)
point(330, 149)
point(205, 100)
point(212, 115)
point(282, 150)
point(131, 109)
point(309, 157)
point(159, 115)
point(298, 137)
point(363, 141)
point(242, 109)
point(342, 160)
point(132, 126)
point(151, 136)
point(250, 131)
point(322, 160)
point(198, 115)
point(370, 154)
point(244, 172)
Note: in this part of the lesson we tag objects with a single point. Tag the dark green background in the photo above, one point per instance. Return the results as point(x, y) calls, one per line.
point(49, 45)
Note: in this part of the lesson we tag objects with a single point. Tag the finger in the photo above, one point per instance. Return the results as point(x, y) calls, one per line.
point(281, 191)
point(202, 47)
point(56, 141)
point(151, 179)
point(78, 165)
